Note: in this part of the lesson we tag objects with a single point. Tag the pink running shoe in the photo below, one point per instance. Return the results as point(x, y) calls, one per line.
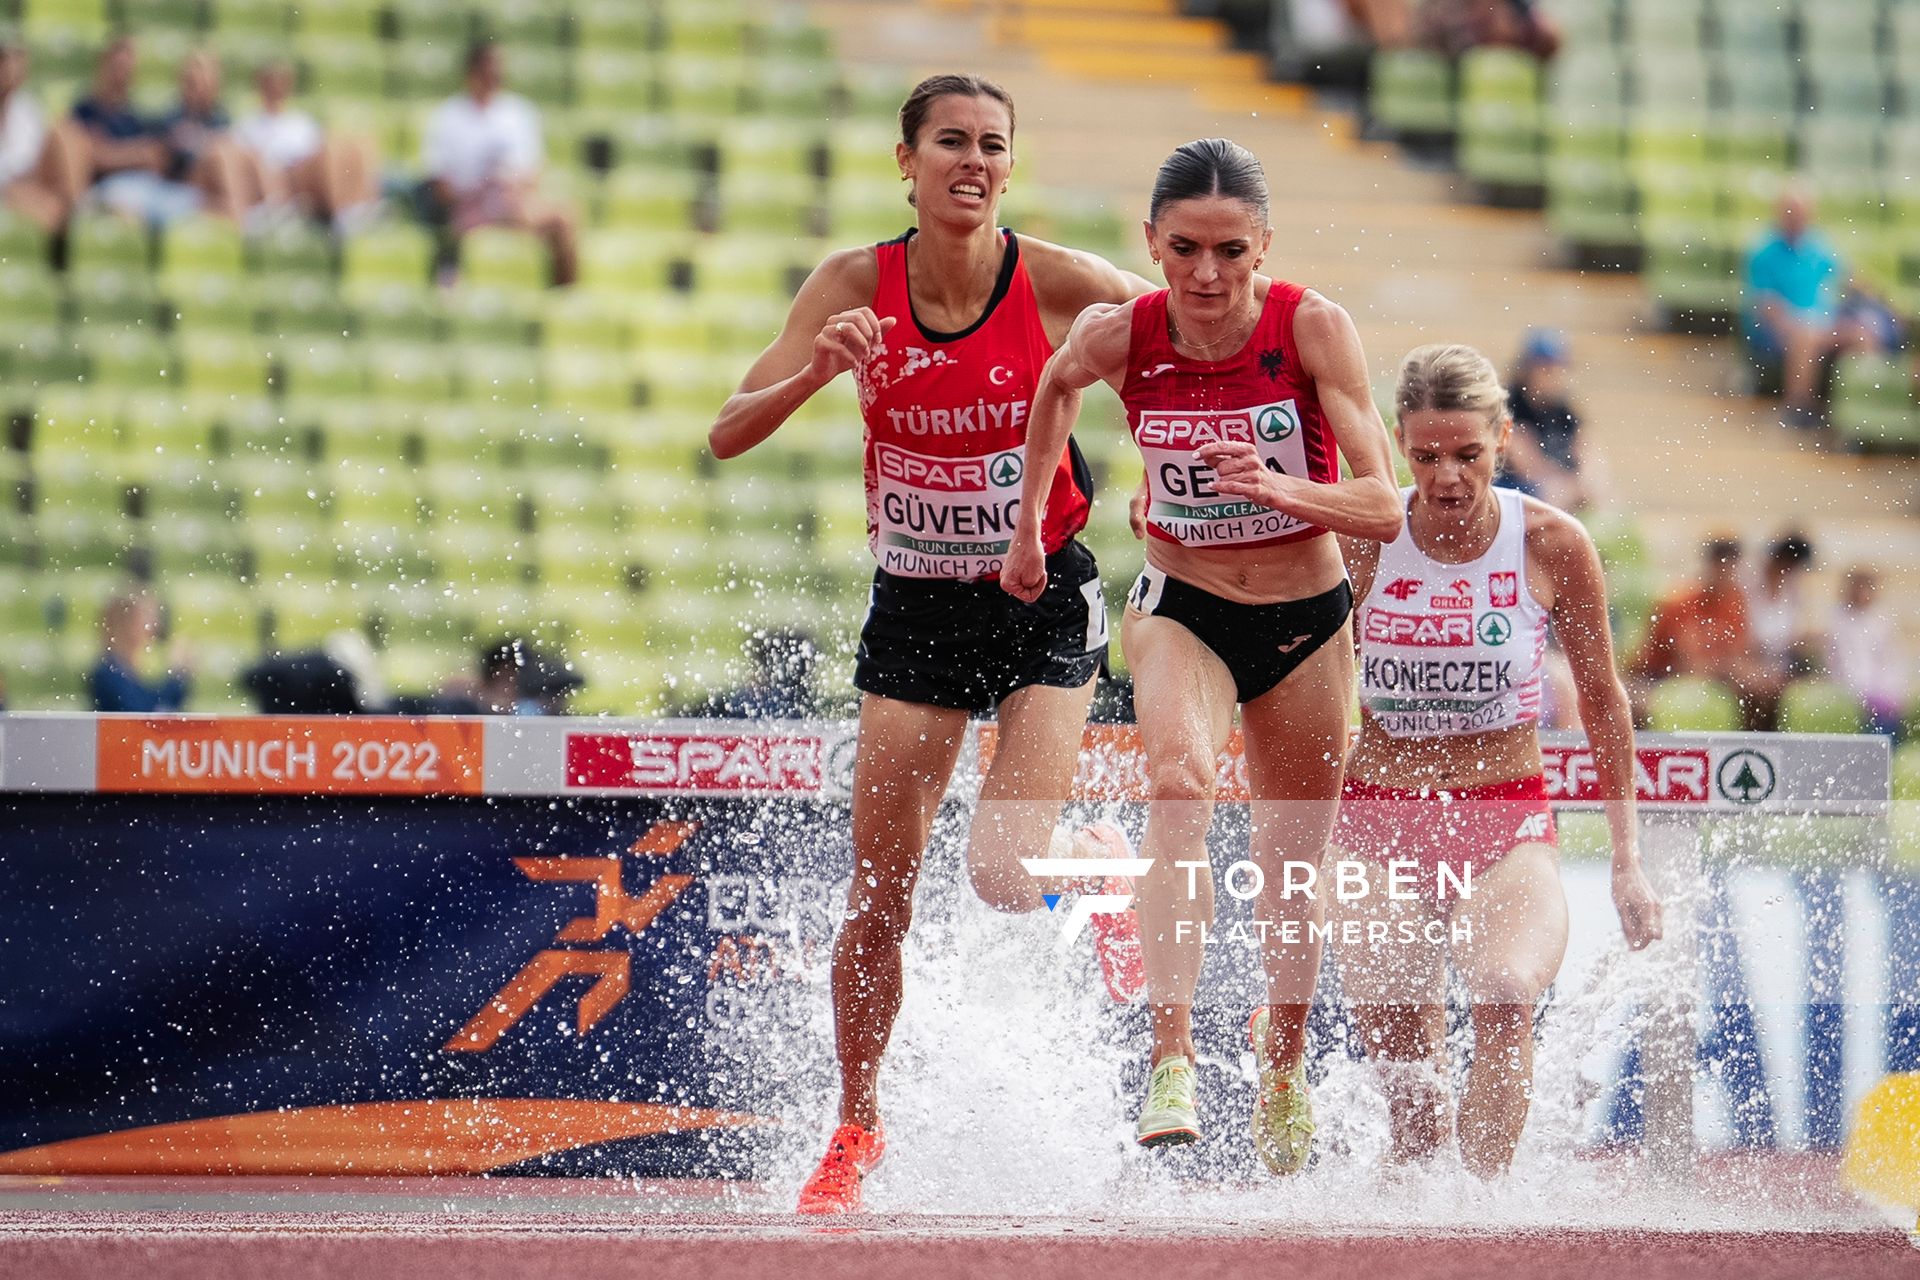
point(1116, 935)
point(835, 1184)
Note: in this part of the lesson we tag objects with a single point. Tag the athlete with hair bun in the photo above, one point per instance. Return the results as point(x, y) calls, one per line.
point(1444, 785)
point(946, 331)
point(1243, 393)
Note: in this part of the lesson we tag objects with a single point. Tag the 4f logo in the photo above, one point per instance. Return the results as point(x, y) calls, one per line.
point(612, 971)
point(1535, 827)
point(1086, 905)
point(1402, 589)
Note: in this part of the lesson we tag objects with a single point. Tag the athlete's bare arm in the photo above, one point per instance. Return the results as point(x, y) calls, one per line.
point(1579, 611)
point(1366, 504)
point(1068, 281)
point(1362, 556)
point(829, 330)
point(1095, 349)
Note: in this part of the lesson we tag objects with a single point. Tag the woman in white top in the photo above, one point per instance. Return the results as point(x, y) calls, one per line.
point(29, 190)
point(1444, 800)
point(298, 163)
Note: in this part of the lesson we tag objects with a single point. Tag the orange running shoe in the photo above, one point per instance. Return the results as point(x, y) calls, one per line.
point(835, 1185)
point(1116, 935)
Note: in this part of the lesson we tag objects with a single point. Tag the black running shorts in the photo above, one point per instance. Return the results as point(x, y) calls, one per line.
point(967, 645)
point(1261, 644)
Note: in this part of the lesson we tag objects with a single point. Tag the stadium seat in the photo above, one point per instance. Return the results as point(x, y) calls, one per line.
point(201, 246)
point(1810, 705)
point(418, 68)
point(1873, 403)
point(22, 243)
point(501, 258)
point(1411, 92)
point(506, 377)
point(224, 364)
point(610, 78)
point(322, 369)
point(343, 68)
point(410, 374)
point(32, 292)
point(389, 254)
point(1685, 704)
point(478, 313)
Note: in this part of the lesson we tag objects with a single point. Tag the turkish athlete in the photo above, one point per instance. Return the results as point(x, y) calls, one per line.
point(1242, 393)
point(946, 331)
point(1445, 780)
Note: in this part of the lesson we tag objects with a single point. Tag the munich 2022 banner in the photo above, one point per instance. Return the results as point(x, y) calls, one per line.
point(403, 946)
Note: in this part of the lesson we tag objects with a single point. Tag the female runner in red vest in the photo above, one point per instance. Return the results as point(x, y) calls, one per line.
point(1445, 781)
point(1242, 392)
point(946, 330)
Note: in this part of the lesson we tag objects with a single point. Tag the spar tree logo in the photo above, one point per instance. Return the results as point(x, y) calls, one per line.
point(1494, 628)
point(1275, 422)
point(1745, 778)
point(1005, 469)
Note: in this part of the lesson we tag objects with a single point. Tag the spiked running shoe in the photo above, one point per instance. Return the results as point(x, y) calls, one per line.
point(1283, 1113)
point(835, 1185)
point(1116, 934)
point(1169, 1118)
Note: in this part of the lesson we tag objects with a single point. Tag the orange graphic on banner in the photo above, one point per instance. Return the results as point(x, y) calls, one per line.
point(1113, 764)
point(611, 970)
point(289, 755)
point(369, 1138)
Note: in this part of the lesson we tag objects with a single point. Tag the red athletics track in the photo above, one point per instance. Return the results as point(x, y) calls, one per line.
point(478, 1229)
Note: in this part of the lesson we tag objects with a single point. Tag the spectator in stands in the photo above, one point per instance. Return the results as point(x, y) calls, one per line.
point(1795, 285)
point(23, 137)
point(482, 153)
point(547, 686)
point(298, 165)
point(1865, 651)
point(781, 686)
point(1776, 612)
point(340, 677)
point(202, 154)
point(1699, 630)
point(1545, 457)
point(1454, 26)
point(129, 625)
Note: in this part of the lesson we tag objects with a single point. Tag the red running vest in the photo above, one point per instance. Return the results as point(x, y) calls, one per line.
point(946, 431)
point(1260, 395)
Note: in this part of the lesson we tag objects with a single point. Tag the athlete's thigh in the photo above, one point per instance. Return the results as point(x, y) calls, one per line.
point(1296, 732)
point(1511, 933)
point(1183, 695)
point(1390, 951)
point(901, 768)
point(1037, 743)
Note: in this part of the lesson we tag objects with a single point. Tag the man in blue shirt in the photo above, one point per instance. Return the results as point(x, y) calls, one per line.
point(128, 626)
point(1793, 285)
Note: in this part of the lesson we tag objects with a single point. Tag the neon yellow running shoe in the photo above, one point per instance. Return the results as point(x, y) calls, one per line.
point(1169, 1118)
point(1283, 1113)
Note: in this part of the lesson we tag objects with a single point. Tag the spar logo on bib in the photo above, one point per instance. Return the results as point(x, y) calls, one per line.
point(1276, 422)
point(945, 475)
point(1005, 469)
point(1494, 628)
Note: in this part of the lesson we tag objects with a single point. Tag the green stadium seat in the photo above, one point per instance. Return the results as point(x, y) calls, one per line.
point(110, 295)
point(296, 309)
point(636, 197)
point(1663, 24)
point(323, 369)
point(39, 357)
point(694, 85)
point(700, 28)
point(108, 240)
point(305, 613)
point(506, 377)
point(503, 258)
point(1873, 403)
point(588, 381)
point(293, 249)
point(161, 428)
point(613, 79)
point(1847, 87)
point(618, 25)
point(520, 24)
point(184, 548)
point(486, 314)
point(22, 242)
point(234, 19)
point(425, 68)
point(224, 364)
point(345, 20)
point(387, 254)
point(130, 358)
point(342, 68)
point(1583, 82)
point(770, 204)
point(1759, 84)
point(794, 89)
point(1411, 92)
point(76, 422)
point(393, 310)
point(542, 75)
point(1810, 705)
point(409, 374)
point(1687, 704)
point(203, 606)
point(1756, 28)
point(1672, 80)
point(1834, 31)
point(630, 266)
point(32, 292)
point(218, 304)
point(574, 320)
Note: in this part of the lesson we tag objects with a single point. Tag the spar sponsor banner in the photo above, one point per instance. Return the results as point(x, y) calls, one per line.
point(287, 755)
point(713, 761)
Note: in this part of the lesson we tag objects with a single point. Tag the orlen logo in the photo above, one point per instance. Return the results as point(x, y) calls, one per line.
point(1191, 430)
point(1503, 590)
point(1660, 775)
point(1402, 589)
point(1420, 630)
point(956, 475)
point(725, 764)
point(1462, 597)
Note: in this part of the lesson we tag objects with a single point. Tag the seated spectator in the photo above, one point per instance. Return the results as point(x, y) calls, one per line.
point(1865, 651)
point(1791, 312)
point(298, 165)
point(201, 151)
point(482, 153)
point(547, 686)
point(1776, 613)
point(128, 626)
point(1703, 630)
point(23, 137)
point(781, 685)
point(341, 677)
point(1545, 457)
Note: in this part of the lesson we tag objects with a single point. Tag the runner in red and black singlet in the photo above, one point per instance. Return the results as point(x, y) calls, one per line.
point(1444, 791)
point(946, 331)
point(1241, 392)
